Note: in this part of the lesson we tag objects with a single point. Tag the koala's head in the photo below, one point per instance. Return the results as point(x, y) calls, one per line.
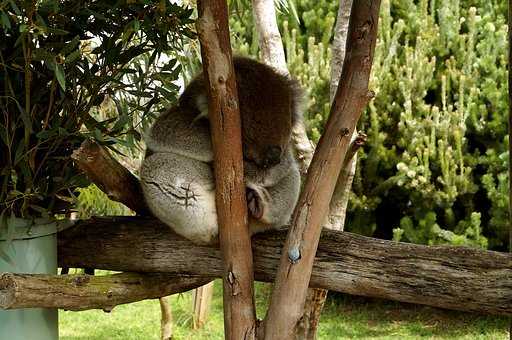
point(269, 106)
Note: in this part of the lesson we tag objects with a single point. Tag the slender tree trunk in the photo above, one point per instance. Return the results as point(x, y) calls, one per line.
point(201, 304)
point(223, 111)
point(271, 45)
point(339, 202)
point(352, 95)
point(316, 298)
point(166, 320)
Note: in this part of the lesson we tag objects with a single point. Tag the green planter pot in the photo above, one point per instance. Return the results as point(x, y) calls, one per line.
point(29, 246)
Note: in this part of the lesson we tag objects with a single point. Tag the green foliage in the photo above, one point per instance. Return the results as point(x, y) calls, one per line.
point(94, 202)
point(433, 170)
point(59, 61)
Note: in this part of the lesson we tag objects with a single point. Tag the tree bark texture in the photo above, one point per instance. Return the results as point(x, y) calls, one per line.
point(270, 43)
point(224, 116)
point(82, 292)
point(316, 298)
point(291, 283)
point(201, 301)
point(339, 200)
point(450, 277)
point(166, 318)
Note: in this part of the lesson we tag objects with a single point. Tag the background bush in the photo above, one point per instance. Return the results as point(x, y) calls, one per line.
point(434, 169)
point(60, 62)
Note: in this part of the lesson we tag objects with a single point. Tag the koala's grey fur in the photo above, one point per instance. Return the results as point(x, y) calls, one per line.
point(177, 176)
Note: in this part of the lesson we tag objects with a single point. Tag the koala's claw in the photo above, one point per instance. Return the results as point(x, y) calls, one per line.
point(254, 204)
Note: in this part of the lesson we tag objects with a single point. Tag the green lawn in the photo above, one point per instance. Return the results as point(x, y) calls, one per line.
point(345, 317)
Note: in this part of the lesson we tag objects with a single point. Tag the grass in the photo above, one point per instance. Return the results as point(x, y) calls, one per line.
point(344, 317)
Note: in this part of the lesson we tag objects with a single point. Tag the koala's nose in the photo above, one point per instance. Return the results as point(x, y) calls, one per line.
point(272, 156)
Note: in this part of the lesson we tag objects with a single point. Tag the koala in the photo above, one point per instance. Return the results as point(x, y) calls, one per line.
point(177, 173)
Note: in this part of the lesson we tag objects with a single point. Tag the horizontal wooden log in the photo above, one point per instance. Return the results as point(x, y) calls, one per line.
point(81, 292)
point(458, 278)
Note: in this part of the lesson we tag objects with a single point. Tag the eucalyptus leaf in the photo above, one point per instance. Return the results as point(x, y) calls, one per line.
point(61, 77)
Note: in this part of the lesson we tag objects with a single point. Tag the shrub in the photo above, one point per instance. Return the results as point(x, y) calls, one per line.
point(434, 169)
point(59, 60)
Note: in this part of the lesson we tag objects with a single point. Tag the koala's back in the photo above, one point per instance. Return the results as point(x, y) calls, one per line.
point(178, 131)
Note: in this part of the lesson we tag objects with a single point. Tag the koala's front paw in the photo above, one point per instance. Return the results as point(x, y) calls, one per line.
point(254, 203)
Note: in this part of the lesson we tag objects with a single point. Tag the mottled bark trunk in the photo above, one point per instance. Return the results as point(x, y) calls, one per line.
point(270, 43)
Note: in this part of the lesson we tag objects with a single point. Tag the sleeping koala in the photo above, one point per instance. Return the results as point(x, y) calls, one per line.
point(177, 172)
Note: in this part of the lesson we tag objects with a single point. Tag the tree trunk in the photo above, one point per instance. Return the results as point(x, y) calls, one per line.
point(201, 304)
point(270, 43)
point(441, 276)
point(352, 95)
point(315, 299)
point(166, 319)
point(224, 115)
